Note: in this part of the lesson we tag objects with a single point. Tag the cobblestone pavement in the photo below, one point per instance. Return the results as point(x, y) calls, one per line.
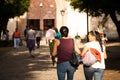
point(17, 65)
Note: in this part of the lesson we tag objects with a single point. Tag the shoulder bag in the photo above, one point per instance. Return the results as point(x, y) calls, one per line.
point(75, 59)
point(89, 58)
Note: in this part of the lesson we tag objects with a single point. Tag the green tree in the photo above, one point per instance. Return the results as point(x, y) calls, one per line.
point(98, 7)
point(10, 9)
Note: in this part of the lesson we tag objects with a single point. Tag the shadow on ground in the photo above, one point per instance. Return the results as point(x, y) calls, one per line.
point(18, 65)
point(113, 61)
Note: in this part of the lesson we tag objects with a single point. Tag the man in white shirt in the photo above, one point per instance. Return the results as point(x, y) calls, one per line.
point(50, 36)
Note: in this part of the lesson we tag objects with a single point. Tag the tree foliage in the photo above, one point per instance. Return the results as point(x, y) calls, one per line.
point(10, 9)
point(98, 7)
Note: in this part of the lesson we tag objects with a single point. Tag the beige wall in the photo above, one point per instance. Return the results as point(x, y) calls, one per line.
point(77, 22)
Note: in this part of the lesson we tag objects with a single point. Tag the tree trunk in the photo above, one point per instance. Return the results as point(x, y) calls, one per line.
point(3, 25)
point(117, 23)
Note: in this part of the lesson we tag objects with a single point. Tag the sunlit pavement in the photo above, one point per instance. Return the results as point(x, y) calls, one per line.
point(18, 65)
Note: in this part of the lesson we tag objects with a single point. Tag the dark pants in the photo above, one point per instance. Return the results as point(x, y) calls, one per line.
point(38, 41)
point(31, 44)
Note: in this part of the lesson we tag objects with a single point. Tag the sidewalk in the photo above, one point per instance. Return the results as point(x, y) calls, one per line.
point(17, 65)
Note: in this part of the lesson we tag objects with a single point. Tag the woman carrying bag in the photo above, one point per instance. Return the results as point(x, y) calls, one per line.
point(63, 48)
point(95, 70)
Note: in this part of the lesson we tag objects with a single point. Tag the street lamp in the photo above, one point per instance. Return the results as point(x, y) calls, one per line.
point(62, 14)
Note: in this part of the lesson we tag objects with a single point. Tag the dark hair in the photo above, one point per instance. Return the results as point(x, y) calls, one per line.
point(98, 38)
point(31, 26)
point(64, 31)
point(56, 30)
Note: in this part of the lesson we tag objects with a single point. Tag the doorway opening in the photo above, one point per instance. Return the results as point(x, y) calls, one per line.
point(34, 22)
point(47, 23)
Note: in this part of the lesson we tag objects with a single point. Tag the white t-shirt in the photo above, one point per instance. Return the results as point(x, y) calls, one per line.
point(96, 45)
point(31, 34)
point(50, 34)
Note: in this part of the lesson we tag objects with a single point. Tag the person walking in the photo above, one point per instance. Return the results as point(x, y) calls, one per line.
point(25, 34)
point(63, 48)
point(50, 36)
point(38, 37)
point(31, 40)
point(25, 31)
point(95, 70)
point(16, 38)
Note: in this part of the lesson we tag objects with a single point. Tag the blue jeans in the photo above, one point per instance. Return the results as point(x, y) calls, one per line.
point(16, 42)
point(63, 69)
point(90, 72)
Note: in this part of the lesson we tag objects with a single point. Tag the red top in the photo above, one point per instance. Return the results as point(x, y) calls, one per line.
point(64, 50)
point(16, 34)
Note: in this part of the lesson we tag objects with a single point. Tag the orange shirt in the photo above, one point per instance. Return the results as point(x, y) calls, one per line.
point(16, 34)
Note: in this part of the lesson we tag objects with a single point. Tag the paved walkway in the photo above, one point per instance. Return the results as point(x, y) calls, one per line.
point(17, 65)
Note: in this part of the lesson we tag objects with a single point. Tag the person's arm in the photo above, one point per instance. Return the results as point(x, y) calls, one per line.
point(77, 49)
point(84, 51)
point(104, 52)
point(34, 34)
point(13, 35)
point(46, 36)
point(105, 55)
point(20, 34)
point(56, 43)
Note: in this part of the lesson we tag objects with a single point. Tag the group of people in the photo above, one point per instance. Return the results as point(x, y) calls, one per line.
point(32, 37)
point(63, 47)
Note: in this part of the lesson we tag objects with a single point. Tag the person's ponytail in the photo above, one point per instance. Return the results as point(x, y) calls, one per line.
point(98, 37)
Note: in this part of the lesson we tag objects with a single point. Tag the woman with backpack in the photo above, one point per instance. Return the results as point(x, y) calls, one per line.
point(63, 49)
